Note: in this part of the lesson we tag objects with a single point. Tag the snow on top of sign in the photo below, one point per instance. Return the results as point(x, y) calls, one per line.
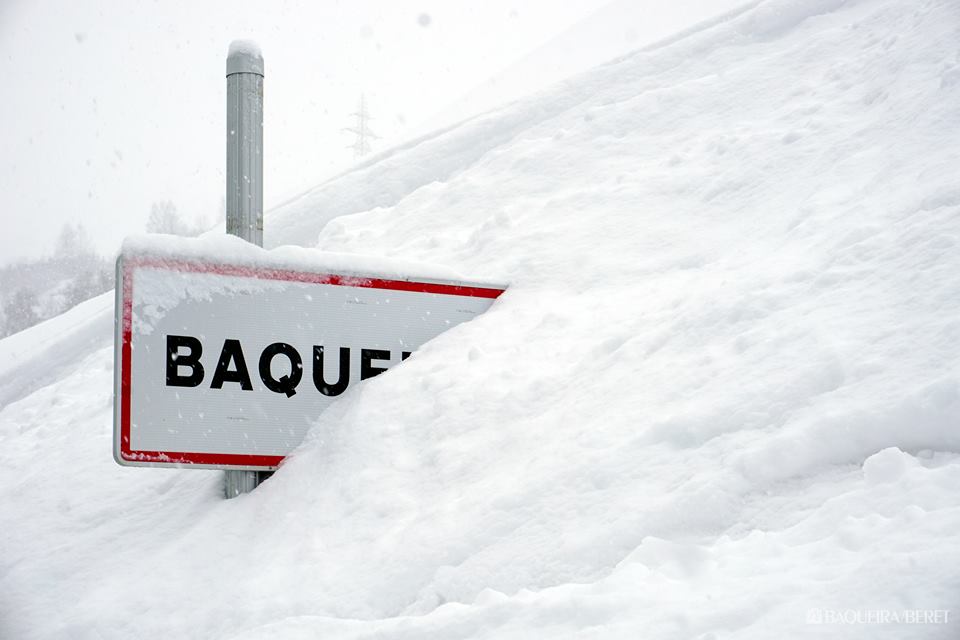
point(160, 295)
point(222, 248)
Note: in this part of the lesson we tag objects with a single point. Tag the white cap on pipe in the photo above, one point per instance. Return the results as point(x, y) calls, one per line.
point(244, 57)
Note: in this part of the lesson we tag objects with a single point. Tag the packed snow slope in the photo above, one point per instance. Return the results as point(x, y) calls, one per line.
point(719, 400)
point(617, 28)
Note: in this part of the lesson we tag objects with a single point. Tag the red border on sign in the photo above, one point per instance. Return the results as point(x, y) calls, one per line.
point(126, 349)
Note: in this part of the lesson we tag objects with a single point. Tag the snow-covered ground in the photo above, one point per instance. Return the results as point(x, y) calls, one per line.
point(617, 28)
point(719, 400)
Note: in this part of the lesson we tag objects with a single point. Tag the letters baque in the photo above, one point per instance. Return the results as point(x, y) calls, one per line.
point(184, 369)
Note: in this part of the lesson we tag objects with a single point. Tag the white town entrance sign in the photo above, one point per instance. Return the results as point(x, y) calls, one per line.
point(227, 365)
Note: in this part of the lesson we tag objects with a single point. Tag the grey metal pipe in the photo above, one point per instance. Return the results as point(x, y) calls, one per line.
point(244, 198)
point(245, 142)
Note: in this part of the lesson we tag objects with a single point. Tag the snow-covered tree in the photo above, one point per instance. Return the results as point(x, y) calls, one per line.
point(73, 242)
point(20, 310)
point(82, 287)
point(164, 218)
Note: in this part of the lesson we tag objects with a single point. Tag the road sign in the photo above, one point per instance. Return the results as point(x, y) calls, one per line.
point(227, 365)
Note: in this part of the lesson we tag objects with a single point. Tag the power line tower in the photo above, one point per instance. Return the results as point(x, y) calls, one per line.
point(364, 136)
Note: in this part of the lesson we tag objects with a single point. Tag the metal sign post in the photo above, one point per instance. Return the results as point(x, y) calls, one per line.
point(244, 198)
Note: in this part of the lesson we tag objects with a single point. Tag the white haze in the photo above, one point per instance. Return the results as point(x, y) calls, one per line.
point(111, 106)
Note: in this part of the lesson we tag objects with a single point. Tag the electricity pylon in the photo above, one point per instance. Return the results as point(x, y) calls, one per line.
point(361, 145)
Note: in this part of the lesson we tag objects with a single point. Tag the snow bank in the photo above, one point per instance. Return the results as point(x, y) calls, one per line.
point(617, 28)
point(50, 350)
point(719, 399)
point(213, 248)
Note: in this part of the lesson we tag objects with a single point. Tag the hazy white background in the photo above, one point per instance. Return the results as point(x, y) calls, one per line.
point(109, 106)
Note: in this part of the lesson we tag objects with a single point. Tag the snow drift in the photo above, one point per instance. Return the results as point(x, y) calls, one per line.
point(719, 400)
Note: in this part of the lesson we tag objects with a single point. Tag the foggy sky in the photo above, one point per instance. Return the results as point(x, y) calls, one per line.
point(109, 106)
